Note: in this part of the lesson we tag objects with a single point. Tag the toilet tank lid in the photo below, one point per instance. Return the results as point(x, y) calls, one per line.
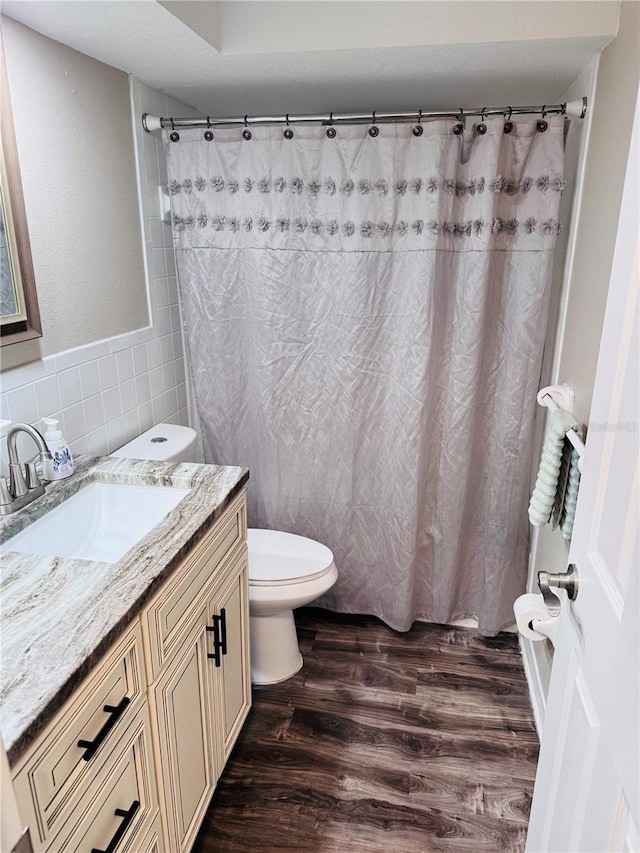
point(178, 439)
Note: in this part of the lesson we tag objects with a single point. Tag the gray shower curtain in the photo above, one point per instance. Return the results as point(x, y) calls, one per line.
point(365, 318)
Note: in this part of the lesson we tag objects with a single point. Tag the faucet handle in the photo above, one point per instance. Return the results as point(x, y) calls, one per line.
point(33, 479)
point(17, 483)
point(39, 463)
point(5, 494)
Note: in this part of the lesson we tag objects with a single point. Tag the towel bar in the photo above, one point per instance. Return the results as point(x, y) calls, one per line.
point(556, 397)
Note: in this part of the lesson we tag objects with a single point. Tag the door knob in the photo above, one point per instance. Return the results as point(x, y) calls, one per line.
point(559, 580)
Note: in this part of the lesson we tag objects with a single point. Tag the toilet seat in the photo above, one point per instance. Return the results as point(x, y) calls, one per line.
point(278, 559)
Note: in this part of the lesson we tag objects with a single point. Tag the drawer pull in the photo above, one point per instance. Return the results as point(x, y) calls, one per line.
point(127, 816)
point(115, 712)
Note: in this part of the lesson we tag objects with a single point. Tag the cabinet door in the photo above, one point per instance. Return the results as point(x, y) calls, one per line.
point(182, 700)
point(229, 607)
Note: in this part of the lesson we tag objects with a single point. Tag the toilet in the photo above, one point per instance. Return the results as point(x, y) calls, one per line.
point(285, 570)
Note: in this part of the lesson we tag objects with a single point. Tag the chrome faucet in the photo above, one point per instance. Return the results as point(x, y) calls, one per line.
point(23, 484)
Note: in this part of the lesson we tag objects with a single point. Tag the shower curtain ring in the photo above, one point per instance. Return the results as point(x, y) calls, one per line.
point(542, 124)
point(508, 125)
point(174, 136)
point(288, 133)
point(373, 131)
point(417, 130)
point(458, 127)
point(246, 133)
point(208, 134)
point(331, 131)
point(481, 129)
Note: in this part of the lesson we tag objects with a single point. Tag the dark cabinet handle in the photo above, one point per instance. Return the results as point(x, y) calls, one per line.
point(127, 816)
point(223, 629)
point(215, 630)
point(219, 631)
point(115, 712)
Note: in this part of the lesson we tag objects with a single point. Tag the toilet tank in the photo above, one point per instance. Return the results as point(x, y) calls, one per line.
point(162, 443)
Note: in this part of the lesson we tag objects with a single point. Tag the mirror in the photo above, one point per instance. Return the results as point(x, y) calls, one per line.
point(19, 313)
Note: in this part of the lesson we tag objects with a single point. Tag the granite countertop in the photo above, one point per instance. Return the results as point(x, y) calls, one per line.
point(60, 615)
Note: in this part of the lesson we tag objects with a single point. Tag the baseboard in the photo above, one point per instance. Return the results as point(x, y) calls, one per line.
point(536, 682)
point(472, 622)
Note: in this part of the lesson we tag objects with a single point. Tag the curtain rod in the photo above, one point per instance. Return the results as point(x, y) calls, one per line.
point(573, 109)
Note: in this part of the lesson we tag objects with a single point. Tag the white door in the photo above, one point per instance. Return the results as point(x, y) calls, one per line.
point(587, 790)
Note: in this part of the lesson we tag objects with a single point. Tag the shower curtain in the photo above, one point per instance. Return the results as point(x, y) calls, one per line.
point(365, 318)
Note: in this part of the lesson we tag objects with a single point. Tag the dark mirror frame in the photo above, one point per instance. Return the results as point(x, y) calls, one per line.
point(29, 327)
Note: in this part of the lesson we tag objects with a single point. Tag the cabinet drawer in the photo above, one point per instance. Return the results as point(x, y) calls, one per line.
point(122, 804)
point(56, 772)
point(166, 618)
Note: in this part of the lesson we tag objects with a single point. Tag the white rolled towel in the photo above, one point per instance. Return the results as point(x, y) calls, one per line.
point(544, 492)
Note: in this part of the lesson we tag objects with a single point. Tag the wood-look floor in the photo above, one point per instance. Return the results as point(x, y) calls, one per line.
point(423, 741)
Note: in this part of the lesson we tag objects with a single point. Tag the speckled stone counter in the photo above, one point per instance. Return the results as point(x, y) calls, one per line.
point(60, 615)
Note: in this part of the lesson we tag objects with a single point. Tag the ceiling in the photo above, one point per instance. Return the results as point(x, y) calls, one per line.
point(229, 58)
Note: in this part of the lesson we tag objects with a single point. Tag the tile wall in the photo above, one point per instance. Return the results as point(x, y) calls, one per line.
point(108, 392)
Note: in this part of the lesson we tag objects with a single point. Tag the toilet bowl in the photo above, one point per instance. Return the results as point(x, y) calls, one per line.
point(285, 570)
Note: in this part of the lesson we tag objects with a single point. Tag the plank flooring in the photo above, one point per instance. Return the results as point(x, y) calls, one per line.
point(418, 742)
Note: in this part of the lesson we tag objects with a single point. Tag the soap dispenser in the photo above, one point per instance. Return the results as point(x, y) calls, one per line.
point(61, 463)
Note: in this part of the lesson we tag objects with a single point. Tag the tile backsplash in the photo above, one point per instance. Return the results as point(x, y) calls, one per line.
point(106, 393)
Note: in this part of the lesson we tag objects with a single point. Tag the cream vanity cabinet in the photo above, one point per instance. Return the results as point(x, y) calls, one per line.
point(156, 718)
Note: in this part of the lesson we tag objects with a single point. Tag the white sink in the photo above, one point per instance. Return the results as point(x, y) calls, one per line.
point(100, 522)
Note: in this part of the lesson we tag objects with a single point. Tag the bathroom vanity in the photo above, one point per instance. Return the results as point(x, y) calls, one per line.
point(125, 684)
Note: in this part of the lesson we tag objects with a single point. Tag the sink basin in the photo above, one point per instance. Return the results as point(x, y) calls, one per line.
point(100, 522)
